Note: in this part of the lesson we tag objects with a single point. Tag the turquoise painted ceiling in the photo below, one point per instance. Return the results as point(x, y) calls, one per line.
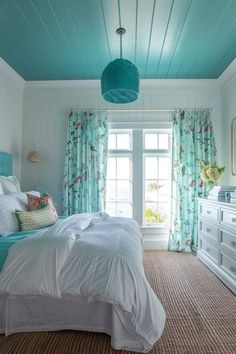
point(75, 39)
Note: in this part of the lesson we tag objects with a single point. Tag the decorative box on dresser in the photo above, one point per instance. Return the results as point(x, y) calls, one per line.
point(217, 239)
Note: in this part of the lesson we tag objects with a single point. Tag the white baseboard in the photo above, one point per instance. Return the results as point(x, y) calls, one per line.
point(155, 238)
point(150, 244)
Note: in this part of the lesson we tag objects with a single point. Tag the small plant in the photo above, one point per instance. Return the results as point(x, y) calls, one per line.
point(154, 217)
point(211, 173)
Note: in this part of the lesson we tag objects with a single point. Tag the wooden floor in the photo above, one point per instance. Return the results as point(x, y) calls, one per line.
point(201, 315)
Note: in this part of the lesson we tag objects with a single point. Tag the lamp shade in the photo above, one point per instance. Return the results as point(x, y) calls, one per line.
point(120, 82)
point(33, 157)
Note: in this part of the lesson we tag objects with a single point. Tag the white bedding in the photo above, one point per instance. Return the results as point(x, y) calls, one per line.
point(96, 257)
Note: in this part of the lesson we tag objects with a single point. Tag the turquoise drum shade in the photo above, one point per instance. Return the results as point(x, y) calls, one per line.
point(120, 82)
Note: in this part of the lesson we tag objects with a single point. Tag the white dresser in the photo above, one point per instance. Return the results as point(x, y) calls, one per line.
point(217, 239)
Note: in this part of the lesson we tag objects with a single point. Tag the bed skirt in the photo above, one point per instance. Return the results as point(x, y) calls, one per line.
point(30, 313)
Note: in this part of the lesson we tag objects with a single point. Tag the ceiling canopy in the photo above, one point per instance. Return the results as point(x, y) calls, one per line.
point(75, 39)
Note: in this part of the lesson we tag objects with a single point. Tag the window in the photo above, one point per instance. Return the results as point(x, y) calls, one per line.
point(119, 174)
point(156, 177)
point(139, 175)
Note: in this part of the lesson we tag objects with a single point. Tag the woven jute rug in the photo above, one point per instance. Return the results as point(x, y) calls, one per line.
point(201, 315)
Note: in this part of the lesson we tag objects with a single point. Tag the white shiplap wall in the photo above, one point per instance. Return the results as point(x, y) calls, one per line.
point(45, 118)
point(228, 112)
point(11, 110)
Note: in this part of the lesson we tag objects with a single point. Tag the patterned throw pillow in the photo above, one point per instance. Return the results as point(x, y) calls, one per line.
point(35, 202)
point(29, 220)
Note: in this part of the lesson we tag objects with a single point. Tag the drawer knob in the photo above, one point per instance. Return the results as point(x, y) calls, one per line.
point(233, 269)
point(208, 211)
point(208, 249)
point(233, 243)
point(233, 220)
point(208, 229)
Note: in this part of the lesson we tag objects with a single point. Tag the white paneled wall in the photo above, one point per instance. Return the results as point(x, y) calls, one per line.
point(228, 112)
point(11, 103)
point(45, 118)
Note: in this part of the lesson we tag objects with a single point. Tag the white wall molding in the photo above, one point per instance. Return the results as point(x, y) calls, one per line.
point(80, 84)
point(144, 83)
point(11, 72)
point(230, 81)
point(160, 245)
point(155, 237)
point(228, 75)
point(177, 83)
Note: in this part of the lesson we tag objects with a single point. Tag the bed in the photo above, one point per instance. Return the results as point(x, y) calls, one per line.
point(83, 273)
point(7, 242)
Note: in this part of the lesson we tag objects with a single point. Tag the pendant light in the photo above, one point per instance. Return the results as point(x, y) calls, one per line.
point(120, 79)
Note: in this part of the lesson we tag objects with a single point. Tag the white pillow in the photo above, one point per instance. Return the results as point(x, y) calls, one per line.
point(10, 184)
point(8, 204)
point(1, 191)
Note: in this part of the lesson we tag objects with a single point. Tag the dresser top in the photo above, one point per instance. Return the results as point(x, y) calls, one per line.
point(219, 203)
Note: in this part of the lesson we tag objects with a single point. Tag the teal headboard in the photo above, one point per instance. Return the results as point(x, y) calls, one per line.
point(5, 164)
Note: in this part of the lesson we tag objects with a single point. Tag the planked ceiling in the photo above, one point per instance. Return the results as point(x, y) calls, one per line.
point(75, 39)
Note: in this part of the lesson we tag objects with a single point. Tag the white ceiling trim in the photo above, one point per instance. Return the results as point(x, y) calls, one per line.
point(144, 83)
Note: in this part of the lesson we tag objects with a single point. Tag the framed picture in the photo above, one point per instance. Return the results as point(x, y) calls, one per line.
point(233, 146)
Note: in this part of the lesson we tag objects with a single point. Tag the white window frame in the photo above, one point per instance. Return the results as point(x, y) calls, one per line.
point(154, 153)
point(137, 154)
point(124, 153)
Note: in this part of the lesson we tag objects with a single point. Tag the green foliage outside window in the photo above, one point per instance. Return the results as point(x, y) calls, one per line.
point(154, 216)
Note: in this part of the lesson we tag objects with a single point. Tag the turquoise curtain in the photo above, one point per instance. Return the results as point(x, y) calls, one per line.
point(85, 162)
point(193, 145)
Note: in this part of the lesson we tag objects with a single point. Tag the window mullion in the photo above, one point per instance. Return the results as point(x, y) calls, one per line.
point(138, 176)
point(116, 180)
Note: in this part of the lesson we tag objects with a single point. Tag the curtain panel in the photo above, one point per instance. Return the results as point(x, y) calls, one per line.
point(193, 146)
point(85, 162)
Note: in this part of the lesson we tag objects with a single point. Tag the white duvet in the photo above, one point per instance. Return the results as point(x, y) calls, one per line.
point(94, 256)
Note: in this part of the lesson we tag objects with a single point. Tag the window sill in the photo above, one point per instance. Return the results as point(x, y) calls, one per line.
point(155, 230)
point(151, 227)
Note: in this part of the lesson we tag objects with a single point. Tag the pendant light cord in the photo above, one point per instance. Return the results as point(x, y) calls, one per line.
point(121, 31)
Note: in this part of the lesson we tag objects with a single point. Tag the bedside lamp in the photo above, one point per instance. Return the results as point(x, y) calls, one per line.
point(34, 157)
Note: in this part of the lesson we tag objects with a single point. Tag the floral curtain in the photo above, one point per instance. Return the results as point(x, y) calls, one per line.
point(193, 146)
point(85, 162)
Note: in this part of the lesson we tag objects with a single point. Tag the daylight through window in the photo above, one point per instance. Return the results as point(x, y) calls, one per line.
point(139, 180)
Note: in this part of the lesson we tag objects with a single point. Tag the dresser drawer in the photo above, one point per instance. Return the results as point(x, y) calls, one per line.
point(228, 264)
point(209, 211)
point(209, 230)
point(217, 239)
point(228, 217)
point(210, 250)
point(229, 240)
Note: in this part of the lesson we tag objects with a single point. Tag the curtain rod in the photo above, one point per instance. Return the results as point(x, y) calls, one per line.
point(140, 110)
